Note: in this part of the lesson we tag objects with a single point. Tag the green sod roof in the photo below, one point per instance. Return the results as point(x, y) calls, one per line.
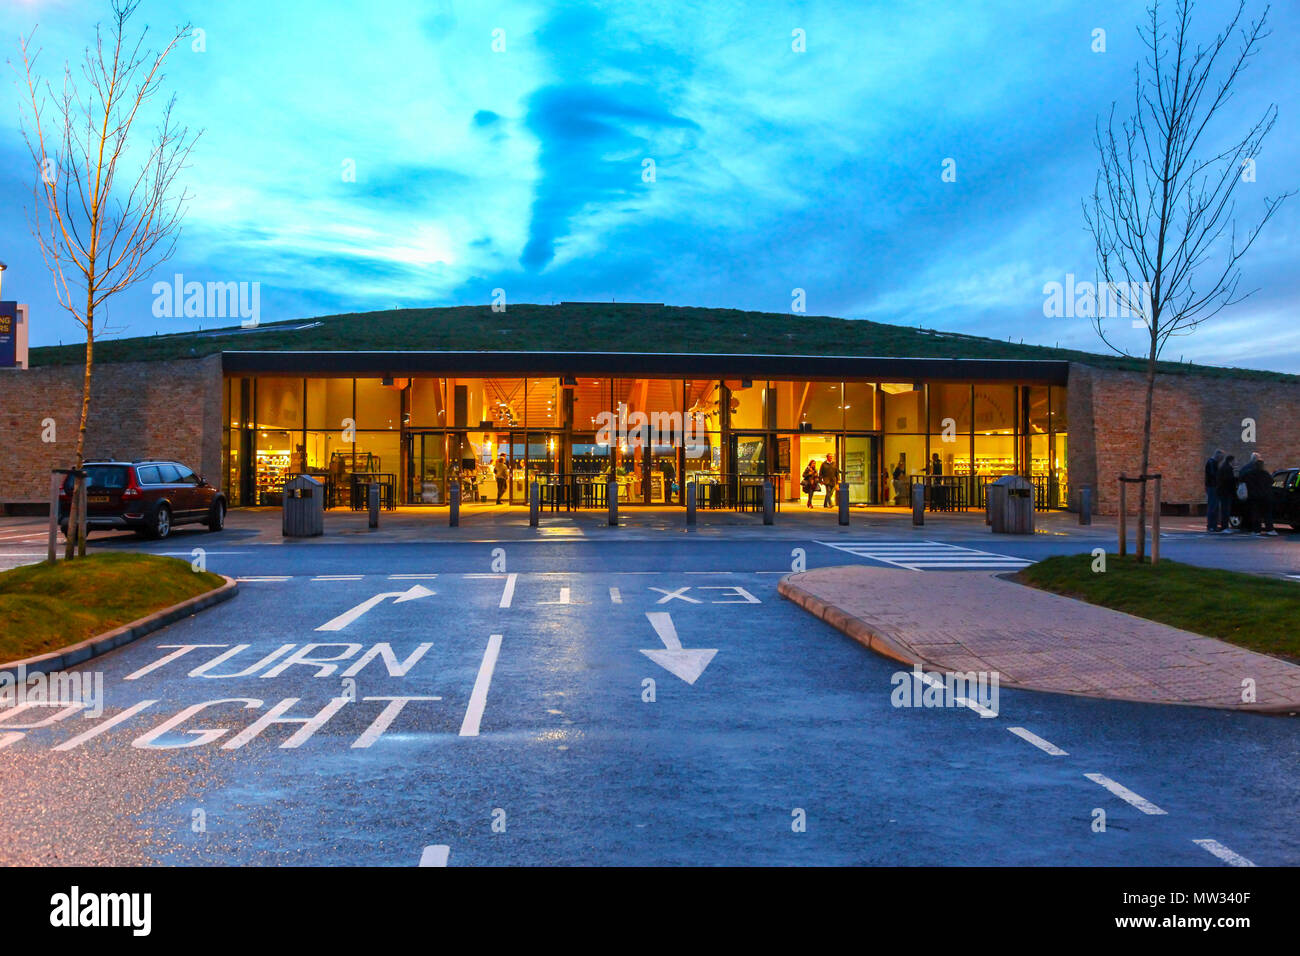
point(598, 327)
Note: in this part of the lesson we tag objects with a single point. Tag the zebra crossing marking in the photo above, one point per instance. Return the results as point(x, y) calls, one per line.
point(928, 555)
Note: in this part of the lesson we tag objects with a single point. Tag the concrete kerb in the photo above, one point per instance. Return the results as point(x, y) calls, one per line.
point(880, 640)
point(100, 644)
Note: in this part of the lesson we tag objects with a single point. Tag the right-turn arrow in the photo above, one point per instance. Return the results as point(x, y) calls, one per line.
point(686, 663)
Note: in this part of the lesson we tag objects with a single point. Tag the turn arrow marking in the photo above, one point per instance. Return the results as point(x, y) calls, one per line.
point(347, 617)
point(683, 662)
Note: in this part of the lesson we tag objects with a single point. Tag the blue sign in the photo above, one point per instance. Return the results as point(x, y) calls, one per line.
point(8, 334)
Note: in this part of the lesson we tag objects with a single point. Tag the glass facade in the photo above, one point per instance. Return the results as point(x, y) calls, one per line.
point(495, 436)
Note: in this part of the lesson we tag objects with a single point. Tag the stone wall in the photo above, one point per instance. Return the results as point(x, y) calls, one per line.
point(1191, 417)
point(137, 410)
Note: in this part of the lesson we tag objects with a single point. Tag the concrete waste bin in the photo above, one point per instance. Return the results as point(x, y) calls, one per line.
point(1011, 505)
point(304, 507)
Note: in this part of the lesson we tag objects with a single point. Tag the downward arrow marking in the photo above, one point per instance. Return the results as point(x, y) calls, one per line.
point(686, 663)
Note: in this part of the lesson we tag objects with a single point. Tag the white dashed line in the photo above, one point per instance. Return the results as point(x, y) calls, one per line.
point(411, 577)
point(435, 855)
point(478, 699)
point(615, 596)
point(1223, 853)
point(266, 579)
point(1045, 746)
point(508, 594)
point(339, 577)
point(1124, 793)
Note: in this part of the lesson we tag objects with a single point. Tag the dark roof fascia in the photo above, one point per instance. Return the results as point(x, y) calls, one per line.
point(648, 364)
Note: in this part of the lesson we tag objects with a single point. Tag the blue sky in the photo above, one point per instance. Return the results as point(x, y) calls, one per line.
point(775, 170)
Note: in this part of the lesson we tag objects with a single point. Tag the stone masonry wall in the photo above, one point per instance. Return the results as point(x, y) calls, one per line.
point(137, 410)
point(1191, 417)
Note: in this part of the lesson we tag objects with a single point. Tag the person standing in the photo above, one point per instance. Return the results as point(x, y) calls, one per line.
point(1225, 487)
point(938, 493)
point(670, 478)
point(1212, 518)
point(809, 480)
point(1259, 495)
point(502, 472)
point(900, 498)
point(829, 474)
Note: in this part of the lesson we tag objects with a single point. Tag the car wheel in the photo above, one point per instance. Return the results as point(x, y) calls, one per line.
point(161, 526)
point(217, 516)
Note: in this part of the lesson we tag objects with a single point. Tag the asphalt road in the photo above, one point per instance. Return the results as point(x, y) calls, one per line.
point(527, 733)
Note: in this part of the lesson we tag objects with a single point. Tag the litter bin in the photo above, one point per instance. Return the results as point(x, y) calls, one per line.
point(1011, 505)
point(304, 507)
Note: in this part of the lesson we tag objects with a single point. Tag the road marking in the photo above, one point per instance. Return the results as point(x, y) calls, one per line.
point(1045, 746)
point(339, 577)
point(679, 594)
point(106, 725)
point(1223, 853)
point(411, 577)
point(564, 598)
point(415, 592)
point(1124, 793)
point(265, 579)
point(435, 855)
point(478, 698)
point(615, 596)
point(508, 594)
point(686, 663)
point(926, 555)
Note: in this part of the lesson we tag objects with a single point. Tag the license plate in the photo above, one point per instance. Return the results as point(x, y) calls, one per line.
point(98, 499)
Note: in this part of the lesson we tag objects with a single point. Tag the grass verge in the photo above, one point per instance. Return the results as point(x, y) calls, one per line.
point(44, 607)
point(1259, 613)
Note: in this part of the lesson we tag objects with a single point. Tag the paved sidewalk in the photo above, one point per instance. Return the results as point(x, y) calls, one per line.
point(972, 621)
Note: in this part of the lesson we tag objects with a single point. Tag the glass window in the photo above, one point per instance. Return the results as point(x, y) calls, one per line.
point(378, 405)
point(1038, 417)
point(186, 477)
point(591, 397)
point(279, 403)
point(904, 408)
point(817, 404)
point(1060, 419)
point(995, 455)
point(383, 449)
point(543, 405)
point(428, 402)
point(950, 409)
point(148, 475)
point(329, 402)
point(859, 406)
point(904, 459)
point(748, 404)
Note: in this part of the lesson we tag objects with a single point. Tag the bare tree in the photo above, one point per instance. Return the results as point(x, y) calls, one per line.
point(106, 210)
point(1162, 212)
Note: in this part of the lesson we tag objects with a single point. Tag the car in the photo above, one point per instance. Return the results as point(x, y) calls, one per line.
point(150, 497)
point(1286, 502)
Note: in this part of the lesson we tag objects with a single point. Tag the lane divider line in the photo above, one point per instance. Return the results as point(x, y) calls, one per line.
point(1223, 853)
point(508, 594)
point(478, 698)
point(1124, 793)
point(1045, 746)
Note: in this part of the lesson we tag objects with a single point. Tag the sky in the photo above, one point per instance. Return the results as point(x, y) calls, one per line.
point(523, 168)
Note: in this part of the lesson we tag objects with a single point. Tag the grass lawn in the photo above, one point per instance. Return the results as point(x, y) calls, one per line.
point(44, 607)
point(1262, 614)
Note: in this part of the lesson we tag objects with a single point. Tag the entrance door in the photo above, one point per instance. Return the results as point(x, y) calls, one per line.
point(861, 468)
point(427, 458)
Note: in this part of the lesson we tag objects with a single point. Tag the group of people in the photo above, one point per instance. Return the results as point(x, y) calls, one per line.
point(826, 475)
point(1252, 486)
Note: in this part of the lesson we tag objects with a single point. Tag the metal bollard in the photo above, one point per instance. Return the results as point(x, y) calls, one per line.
point(769, 503)
point(1155, 524)
point(844, 502)
point(56, 482)
point(918, 504)
point(1123, 517)
point(453, 501)
point(690, 503)
point(611, 493)
point(534, 503)
point(372, 501)
point(1085, 505)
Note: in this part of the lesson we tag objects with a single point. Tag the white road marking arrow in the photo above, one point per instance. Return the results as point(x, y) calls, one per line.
point(686, 663)
point(347, 617)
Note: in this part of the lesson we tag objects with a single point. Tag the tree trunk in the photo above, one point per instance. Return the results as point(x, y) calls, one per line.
point(1146, 453)
point(76, 529)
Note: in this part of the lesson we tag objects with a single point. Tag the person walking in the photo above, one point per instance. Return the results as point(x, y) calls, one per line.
point(808, 481)
point(670, 479)
point(502, 473)
point(1212, 519)
point(830, 477)
point(1225, 488)
point(899, 495)
point(1259, 495)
